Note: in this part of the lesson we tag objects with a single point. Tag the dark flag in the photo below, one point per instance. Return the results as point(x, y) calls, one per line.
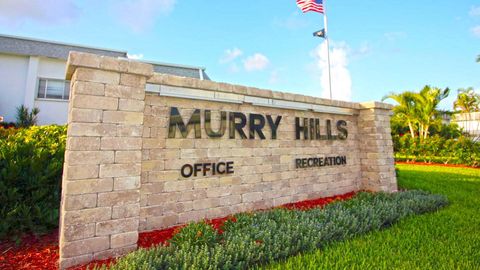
point(320, 33)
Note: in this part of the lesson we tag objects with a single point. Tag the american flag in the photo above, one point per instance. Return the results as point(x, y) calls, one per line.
point(310, 5)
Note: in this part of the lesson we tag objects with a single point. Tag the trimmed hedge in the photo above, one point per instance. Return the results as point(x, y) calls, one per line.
point(31, 162)
point(263, 237)
point(436, 149)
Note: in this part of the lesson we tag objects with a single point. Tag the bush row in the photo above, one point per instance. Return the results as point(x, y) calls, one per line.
point(437, 149)
point(259, 238)
point(31, 162)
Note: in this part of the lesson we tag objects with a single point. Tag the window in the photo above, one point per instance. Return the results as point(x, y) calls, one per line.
point(53, 89)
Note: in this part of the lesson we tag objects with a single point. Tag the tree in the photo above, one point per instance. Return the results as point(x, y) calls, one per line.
point(478, 58)
point(427, 103)
point(406, 109)
point(26, 118)
point(418, 110)
point(467, 101)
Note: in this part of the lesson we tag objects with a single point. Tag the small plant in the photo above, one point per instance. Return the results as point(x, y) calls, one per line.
point(25, 117)
point(195, 234)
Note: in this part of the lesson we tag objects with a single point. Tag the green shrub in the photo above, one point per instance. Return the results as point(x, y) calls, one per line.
point(31, 162)
point(263, 237)
point(196, 234)
point(437, 149)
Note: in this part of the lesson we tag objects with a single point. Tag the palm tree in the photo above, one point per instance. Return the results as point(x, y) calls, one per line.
point(467, 100)
point(427, 103)
point(406, 108)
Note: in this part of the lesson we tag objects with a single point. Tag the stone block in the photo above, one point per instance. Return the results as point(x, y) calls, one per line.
point(88, 88)
point(126, 183)
point(94, 102)
point(121, 143)
point(118, 198)
point(87, 216)
point(121, 117)
point(86, 115)
point(119, 170)
point(66, 263)
point(81, 59)
point(79, 172)
point(125, 211)
point(131, 105)
point(79, 231)
point(130, 131)
point(91, 130)
point(159, 222)
point(128, 156)
point(132, 80)
point(136, 67)
point(114, 252)
point(125, 92)
point(124, 239)
point(93, 75)
point(89, 157)
point(85, 246)
point(88, 186)
point(79, 202)
point(178, 186)
point(83, 143)
point(116, 226)
point(252, 197)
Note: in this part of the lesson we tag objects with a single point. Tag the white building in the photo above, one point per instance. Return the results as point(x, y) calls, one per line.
point(469, 122)
point(32, 73)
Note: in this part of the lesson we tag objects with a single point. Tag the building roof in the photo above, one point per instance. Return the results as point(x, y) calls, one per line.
point(38, 47)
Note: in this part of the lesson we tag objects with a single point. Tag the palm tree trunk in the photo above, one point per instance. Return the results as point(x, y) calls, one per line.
point(412, 132)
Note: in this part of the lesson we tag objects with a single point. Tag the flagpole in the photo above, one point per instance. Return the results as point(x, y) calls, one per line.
point(325, 22)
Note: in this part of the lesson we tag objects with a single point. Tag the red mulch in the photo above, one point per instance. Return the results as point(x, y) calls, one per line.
point(33, 253)
point(41, 252)
point(434, 164)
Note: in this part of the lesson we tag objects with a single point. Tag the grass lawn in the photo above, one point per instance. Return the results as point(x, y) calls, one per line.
point(448, 239)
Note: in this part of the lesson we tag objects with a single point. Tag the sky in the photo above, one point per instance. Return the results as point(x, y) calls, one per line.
point(376, 47)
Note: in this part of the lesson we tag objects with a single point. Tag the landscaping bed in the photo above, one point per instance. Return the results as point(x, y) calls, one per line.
point(447, 239)
point(42, 252)
point(251, 239)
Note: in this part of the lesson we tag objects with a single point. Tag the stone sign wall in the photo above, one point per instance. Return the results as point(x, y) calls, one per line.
point(147, 151)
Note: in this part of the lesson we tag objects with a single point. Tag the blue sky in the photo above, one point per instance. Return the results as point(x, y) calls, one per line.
point(377, 46)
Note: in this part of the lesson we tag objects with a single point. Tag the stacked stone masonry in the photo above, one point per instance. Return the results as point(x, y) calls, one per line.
point(122, 172)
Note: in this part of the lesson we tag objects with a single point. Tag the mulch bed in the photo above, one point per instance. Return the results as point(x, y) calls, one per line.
point(41, 252)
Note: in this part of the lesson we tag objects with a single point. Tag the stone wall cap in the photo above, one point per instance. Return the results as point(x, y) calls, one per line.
point(171, 80)
point(375, 105)
point(94, 61)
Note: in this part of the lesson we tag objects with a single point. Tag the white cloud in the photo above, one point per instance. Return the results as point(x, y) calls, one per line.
point(140, 15)
point(293, 22)
point(475, 11)
point(18, 12)
point(394, 36)
point(256, 62)
point(230, 55)
point(341, 79)
point(135, 56)
point(476, 31)
point(274, 77)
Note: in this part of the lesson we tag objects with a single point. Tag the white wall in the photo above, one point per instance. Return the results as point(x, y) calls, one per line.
point(51, 111)
point(13, 77)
